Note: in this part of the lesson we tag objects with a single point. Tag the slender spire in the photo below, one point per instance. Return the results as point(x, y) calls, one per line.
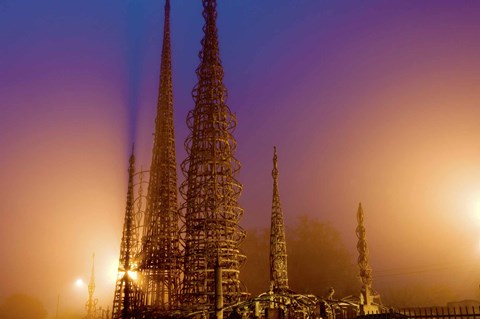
point(160, 263)
point(278, 245)
point(367, 293)
point(210, 190)
point(365, 270)
point(124, 298)
point(91, 305)
point(129, 221)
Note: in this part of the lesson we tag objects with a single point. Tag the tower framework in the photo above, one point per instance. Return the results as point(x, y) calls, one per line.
point(126, 296)
point(367, 293)
point(211, 191)
point(279, 301)
point(160, 259)
point(278, 244)
point(91, 304)
point(365, 270)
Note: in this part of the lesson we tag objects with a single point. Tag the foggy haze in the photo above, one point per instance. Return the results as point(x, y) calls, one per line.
point(375, 102)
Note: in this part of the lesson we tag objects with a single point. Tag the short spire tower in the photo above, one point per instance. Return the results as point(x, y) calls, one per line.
point(367, 293)
point(278, 245)
point(211, 190)
point(91, 305)
point(160, 257)
point(125, 288)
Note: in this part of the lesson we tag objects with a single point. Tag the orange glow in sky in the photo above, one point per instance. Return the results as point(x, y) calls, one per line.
point(375, 101)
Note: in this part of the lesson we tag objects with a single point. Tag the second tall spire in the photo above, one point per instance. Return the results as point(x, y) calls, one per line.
point(160, 260)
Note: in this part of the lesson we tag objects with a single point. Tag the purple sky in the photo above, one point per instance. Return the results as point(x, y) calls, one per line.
point(374, 101)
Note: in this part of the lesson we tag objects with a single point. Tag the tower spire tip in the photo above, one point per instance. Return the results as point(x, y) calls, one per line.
point(275, 158)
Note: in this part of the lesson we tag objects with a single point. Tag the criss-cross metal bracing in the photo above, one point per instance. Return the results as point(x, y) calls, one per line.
point(278, 244)
point(127, 293)
point(211, 211)
point(365, 270)
point(91, 304)
point(160, 258)
point(369, 299)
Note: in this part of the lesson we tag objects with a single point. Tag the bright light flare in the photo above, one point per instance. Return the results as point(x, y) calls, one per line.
point(133, 275)
point(112, 273)
point(79, 282)
point(477, 208)
point(474, 208)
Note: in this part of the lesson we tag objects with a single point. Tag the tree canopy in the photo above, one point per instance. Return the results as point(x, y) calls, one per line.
point(317, 260)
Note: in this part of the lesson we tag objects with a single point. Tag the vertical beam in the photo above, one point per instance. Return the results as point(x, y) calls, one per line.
point(218, 291)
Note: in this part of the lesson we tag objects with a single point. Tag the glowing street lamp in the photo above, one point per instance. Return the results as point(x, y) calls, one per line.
point(79, 283)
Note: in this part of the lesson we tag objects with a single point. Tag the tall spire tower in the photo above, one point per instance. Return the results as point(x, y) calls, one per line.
point(210, 190)
point(278, 245)
point(160, 256)
point(125, 288)
point(367, 293)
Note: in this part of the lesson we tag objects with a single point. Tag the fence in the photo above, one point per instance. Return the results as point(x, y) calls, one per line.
point(442, 312)
point(472, 312)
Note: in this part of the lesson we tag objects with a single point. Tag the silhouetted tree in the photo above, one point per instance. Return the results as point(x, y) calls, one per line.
point(255, 272)
point(418, 295)
point(317, 260)
point(21, 306)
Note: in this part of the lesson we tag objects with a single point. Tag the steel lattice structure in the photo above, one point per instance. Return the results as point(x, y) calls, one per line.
point(126, 290)
point(210, 189)
point(365, 270)
point(160, 258)
point(278, 244)
point(367, 293)
point(91, 304)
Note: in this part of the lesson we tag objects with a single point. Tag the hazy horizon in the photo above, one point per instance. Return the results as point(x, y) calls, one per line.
point(374, 102)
